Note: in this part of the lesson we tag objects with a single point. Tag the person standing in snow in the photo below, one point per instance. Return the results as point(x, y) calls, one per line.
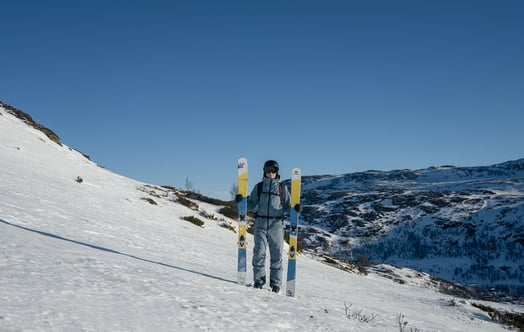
point(270, 200)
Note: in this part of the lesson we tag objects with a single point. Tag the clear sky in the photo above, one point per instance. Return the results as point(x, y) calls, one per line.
point(164, 91)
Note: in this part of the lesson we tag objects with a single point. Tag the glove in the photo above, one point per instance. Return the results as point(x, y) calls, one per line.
point(238, 198)
point(297, 208)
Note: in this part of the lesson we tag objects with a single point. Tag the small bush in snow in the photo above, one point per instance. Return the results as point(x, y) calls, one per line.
point(194, 220)
point(228, 226)
point(187, 203)
point(358, 315)
point(363, 263)
point(403, 324)
point(229, 211)
point(208, 215)
point(149, 200)
point(514, 319)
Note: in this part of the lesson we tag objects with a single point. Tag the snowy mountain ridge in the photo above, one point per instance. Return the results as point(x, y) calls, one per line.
point(463, 224)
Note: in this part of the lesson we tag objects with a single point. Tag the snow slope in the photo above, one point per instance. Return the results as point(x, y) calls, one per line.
point(94, 255)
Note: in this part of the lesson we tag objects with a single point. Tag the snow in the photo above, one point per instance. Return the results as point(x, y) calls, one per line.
point(93, 255)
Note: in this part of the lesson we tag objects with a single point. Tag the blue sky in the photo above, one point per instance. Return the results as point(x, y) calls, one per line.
point(164, 91)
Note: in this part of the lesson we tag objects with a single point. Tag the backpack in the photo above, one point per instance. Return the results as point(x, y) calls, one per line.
point(280, 191)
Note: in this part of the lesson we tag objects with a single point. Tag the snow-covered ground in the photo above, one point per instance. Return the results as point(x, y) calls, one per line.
point(93, 255)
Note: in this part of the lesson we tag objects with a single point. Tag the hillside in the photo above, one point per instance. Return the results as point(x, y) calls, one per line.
point(85, 249)
point(463, 224)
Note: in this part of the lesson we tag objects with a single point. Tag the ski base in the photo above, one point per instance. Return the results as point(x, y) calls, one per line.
point(242, 211)
point(241, 278)
point(293, 232)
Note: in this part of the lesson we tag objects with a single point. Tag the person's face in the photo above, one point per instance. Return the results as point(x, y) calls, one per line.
point(271, 174)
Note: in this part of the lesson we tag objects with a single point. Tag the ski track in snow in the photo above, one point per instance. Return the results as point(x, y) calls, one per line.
point(94, 256)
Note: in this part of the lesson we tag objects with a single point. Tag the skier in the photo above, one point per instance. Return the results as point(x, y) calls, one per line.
point(271, 202)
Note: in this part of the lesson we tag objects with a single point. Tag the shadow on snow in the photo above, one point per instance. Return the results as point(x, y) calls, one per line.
point(92, 246)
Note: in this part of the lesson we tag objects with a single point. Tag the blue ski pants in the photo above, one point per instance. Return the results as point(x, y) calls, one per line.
point(269, 233)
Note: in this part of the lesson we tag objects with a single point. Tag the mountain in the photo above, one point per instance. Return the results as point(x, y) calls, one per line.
point(463, 224)
point(85, 249)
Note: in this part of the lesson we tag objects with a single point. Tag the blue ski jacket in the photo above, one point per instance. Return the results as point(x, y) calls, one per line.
point(270, 205)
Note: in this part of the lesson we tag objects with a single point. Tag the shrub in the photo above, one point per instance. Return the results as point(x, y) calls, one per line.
point(149, 200)
point(208, 215)
point(29, 120)
point(512, 318)
point(358, 315)
point(403, 324)
point(194, 220)
point(187, 203)
point(228, 226)
point(363, 263)
point(229, 211)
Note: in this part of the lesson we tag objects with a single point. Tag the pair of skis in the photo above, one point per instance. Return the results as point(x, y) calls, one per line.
point(293, 232)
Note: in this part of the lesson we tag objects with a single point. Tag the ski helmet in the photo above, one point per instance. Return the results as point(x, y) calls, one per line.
point(271, 166)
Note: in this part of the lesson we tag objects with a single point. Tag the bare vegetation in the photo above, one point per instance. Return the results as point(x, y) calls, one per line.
point(194, 220)
point(29, 120)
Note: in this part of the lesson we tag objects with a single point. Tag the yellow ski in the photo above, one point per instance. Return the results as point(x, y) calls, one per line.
point(293, 232)
point(242, 211)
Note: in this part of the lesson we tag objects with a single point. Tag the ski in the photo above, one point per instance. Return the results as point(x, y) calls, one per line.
point(242, 211)
point(293, 232)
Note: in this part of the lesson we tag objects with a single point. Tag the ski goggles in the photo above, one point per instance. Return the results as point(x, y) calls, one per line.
point(270, 169)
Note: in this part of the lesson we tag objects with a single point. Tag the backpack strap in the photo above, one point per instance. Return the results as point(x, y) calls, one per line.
point(281, 193)
point(259, 189)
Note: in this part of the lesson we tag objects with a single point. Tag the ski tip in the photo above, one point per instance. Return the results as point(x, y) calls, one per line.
point(242, 166)
point(296, 173)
